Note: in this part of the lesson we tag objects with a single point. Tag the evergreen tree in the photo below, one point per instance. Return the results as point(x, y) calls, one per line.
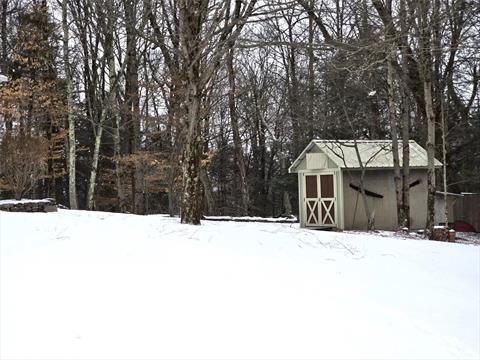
point(32, 103)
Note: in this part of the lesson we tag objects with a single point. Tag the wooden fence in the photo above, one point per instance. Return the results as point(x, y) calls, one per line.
point(467, 208)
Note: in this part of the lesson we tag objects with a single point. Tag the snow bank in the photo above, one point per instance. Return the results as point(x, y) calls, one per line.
point(84, 285)
point(24, 201)
point(281, 219)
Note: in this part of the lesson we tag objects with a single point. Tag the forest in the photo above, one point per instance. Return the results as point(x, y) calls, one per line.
point(198, 107)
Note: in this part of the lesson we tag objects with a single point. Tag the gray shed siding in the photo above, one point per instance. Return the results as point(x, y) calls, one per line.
point(440, 207)
point(381, 182)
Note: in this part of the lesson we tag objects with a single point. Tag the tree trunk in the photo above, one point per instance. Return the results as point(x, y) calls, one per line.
point(118, 171)
point(133, 106)
point(111, 21)
point(311, 79)
point(405, 113)
point(405, 158)
point(444, 160)
point(370, 216)
point(239, 160)
point(72, 191)
point(18, 193)
point(94, 167)
point(287, 204)
point(202, 57)
point(3, 36)
point(424, 8)
point(172, 174)
point(191, 196)
point(297, 128)
point(394, 134)
point(191, 210)
point(427, 88)
point(207, 190)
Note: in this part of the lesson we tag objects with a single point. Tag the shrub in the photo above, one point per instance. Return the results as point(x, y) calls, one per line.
point(23, 160)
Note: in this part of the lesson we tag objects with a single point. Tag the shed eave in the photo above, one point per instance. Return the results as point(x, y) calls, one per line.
point(387, 167)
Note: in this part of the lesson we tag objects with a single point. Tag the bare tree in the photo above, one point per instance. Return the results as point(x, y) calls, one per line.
point(239, 158)
point(23, 160)
point(202, 34)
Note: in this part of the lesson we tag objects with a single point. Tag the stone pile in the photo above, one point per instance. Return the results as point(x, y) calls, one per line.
point(25, 205)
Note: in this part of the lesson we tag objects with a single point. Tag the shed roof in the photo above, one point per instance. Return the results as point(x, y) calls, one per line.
point(373, 154)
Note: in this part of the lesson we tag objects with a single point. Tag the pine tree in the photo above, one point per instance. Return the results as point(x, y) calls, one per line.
point(32, 103)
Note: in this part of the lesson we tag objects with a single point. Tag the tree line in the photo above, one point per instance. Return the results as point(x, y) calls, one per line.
point(198, 107)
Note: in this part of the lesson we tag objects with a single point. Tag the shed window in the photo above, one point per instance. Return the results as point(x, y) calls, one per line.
point(326, 186)
point(311, 186)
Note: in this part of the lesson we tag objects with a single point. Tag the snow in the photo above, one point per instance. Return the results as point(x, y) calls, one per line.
point(23, 201)
point(292, 219)
point(93, 285)
point(467, 238)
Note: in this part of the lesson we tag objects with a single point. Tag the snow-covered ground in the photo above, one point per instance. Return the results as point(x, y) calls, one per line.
point(84, 285)
point(23, 201)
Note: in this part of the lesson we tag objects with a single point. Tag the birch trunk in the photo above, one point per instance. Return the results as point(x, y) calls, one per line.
point(405, 113)
point(405, 158)
point(107, 105)
point(424, 8)
point(394, 134)
point(98, 141)
point(427, 88)
point(444, 160)
point(311, 78)
point(94, 169)
point(72, 191)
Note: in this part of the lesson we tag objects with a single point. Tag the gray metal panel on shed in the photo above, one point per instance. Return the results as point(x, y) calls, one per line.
point(373, 153)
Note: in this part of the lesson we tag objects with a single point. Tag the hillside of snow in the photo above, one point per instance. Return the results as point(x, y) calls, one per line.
point(92, 285)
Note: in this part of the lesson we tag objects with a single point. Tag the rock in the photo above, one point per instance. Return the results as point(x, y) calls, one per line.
point(50, 208)
point(26, 205)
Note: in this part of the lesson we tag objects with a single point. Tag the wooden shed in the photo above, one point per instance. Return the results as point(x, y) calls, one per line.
point(329, 173)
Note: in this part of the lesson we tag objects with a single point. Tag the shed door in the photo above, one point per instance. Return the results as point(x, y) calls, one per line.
point(311, 201)
point(320, 199)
